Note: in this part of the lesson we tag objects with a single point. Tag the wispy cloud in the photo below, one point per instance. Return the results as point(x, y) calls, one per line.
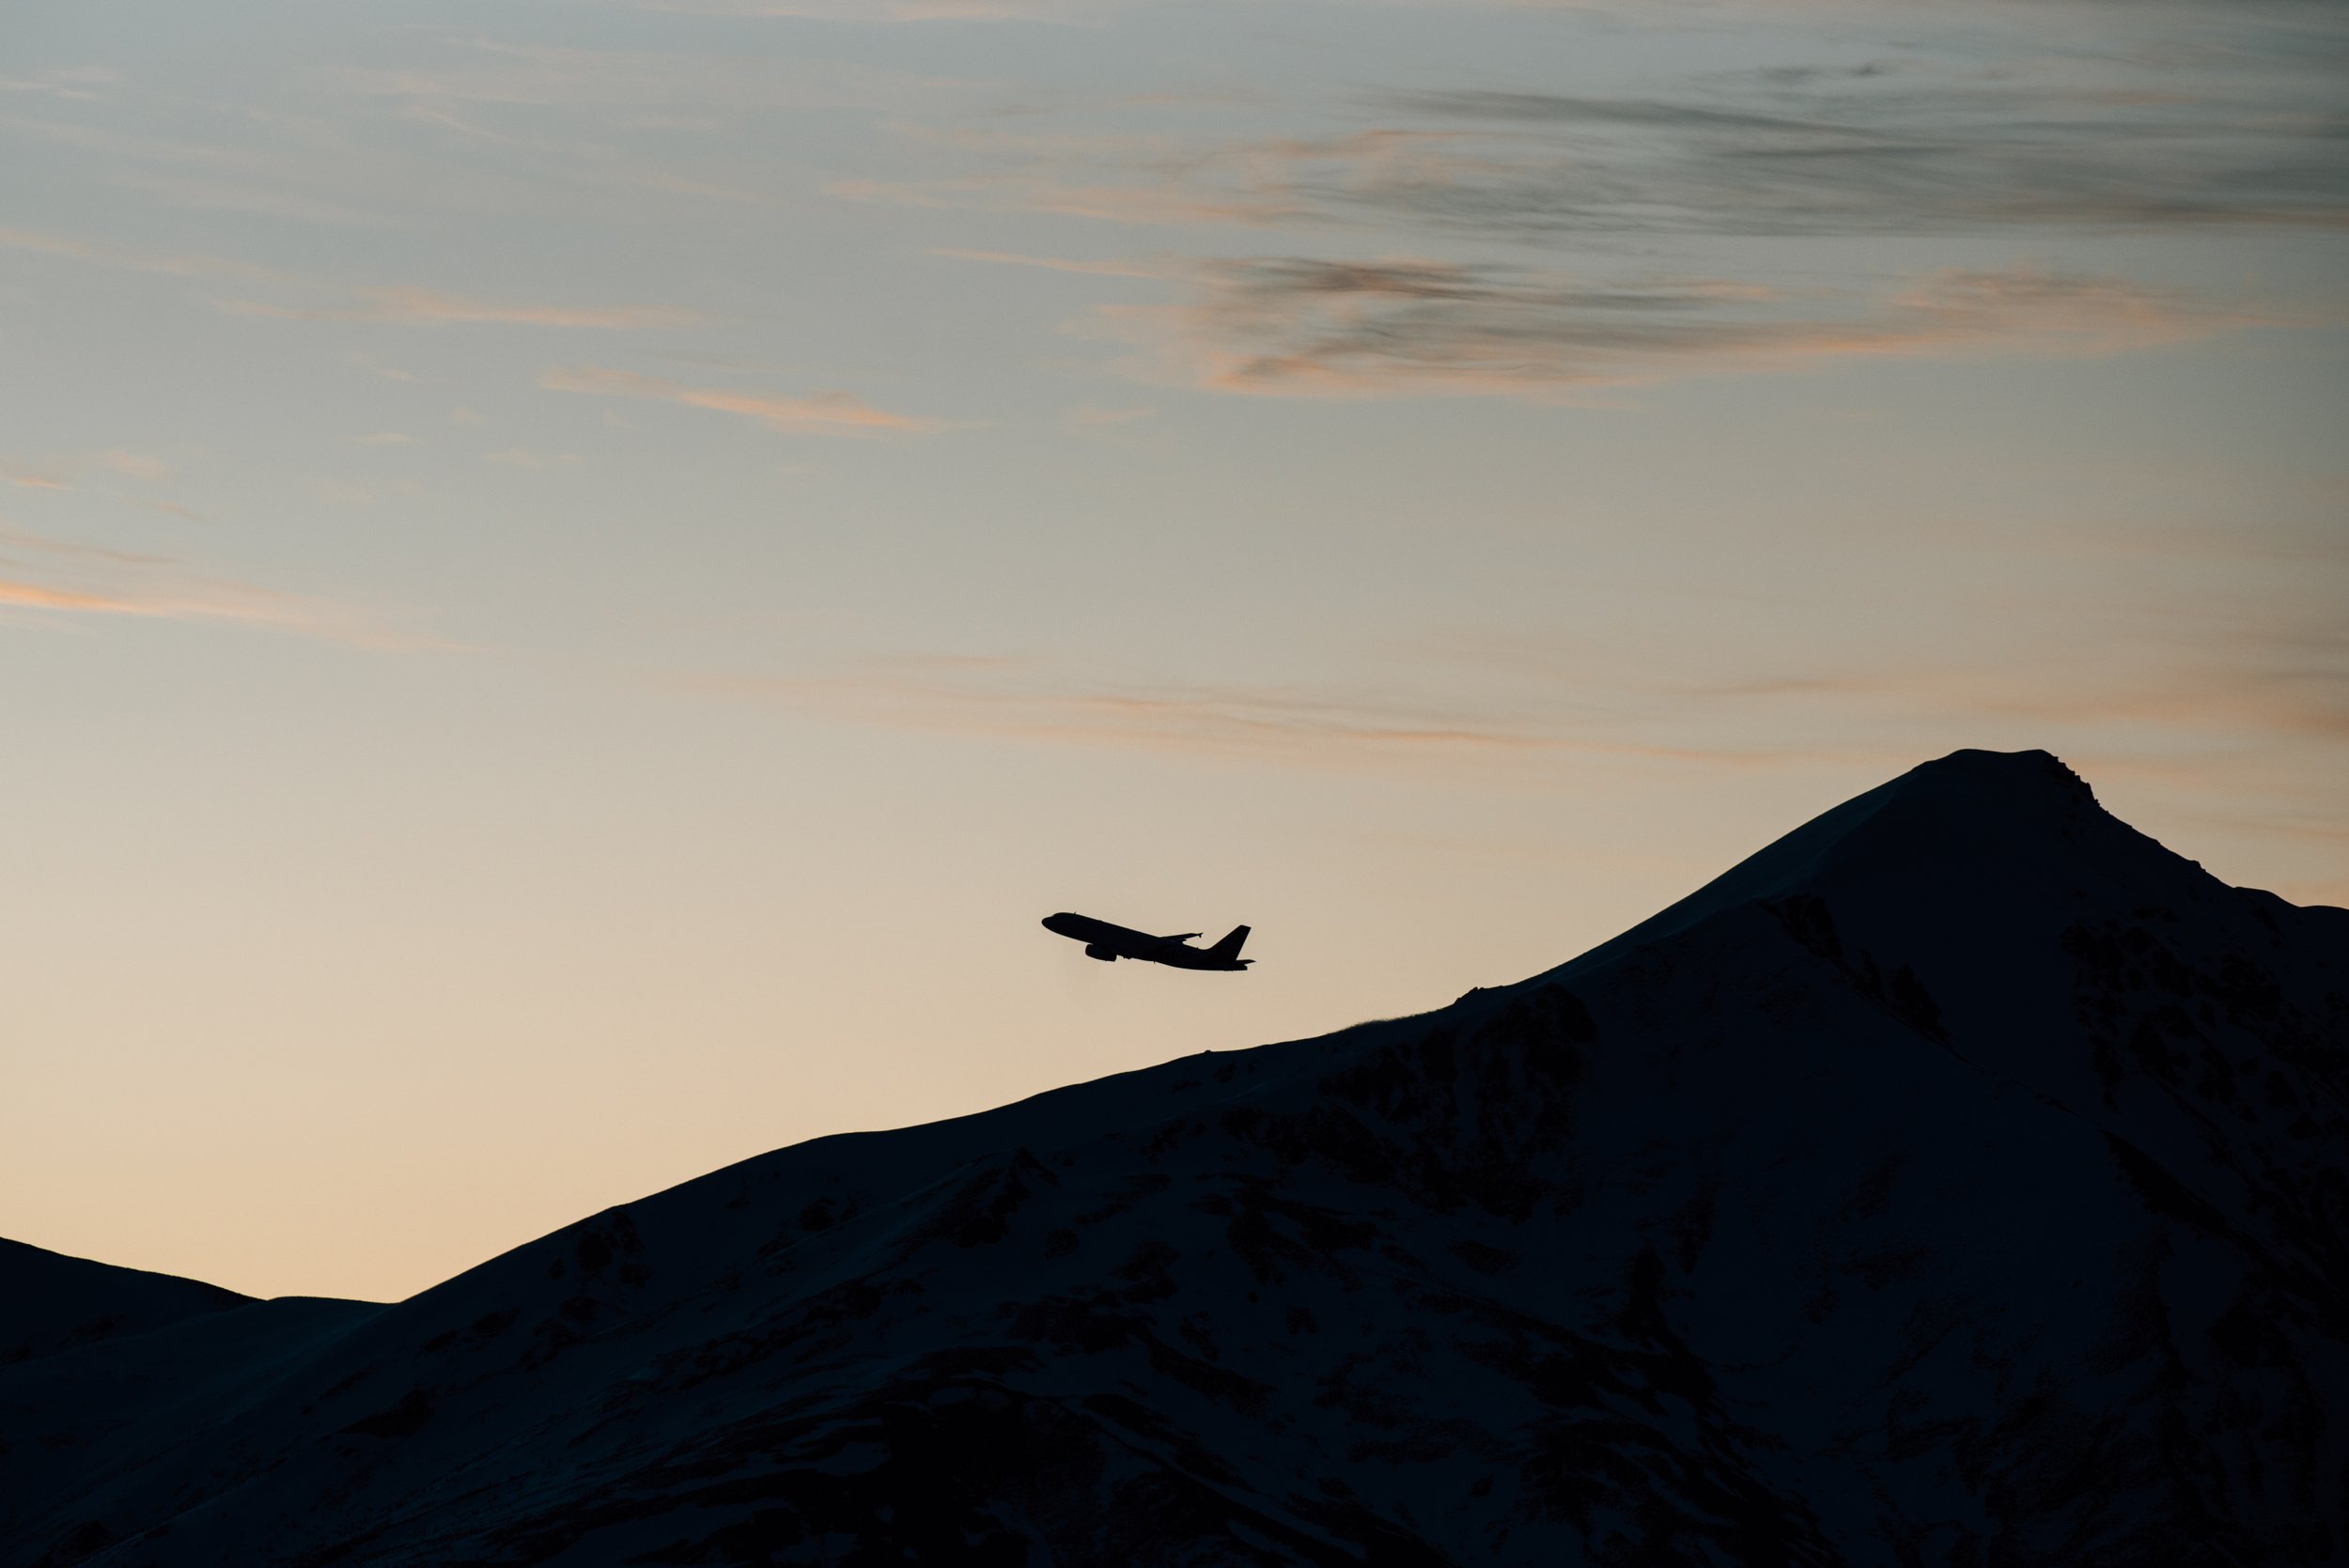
point(69, 578)
point(1164, 180)
point(62, 471)
point(398, 304)
point(389, 372)
point(138, 465)
point(1817, 716)
point(1289, 725)
point(500, 73)
point(215, 194)
point(2207, 133)
point(888, 10)
point(2172, 677)
point(1879, 152)
point(2155, 128)
point(1061, 264)
point(432, 307)
point(99, 253)
point(818, 413)
point(2174, 667)
point(524, 457)
point(13, 542)
point(1306, 326)
point(1160, 205)
point(82, 82)
point(198, 601)
point(300, 164)
point(2206, 696)
point(34, 596)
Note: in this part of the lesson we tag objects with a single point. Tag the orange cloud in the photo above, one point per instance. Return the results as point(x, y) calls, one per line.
point(138, 465)
point(1302, 326)
point(39, 597)
point(75, 579)
point(11, 539)
point(183, 602)
point(819, 413)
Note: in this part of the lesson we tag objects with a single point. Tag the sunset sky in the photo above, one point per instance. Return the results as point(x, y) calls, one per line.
point(576, 575)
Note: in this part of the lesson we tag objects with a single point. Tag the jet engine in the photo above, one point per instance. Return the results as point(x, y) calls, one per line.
point(1107, 956)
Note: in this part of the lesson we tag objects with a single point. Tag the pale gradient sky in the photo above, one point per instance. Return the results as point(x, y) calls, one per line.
point(575, 576)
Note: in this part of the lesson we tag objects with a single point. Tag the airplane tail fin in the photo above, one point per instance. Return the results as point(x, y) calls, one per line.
point(1229, 947)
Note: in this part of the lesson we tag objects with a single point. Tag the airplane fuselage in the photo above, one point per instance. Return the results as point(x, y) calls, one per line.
point(1110, 943)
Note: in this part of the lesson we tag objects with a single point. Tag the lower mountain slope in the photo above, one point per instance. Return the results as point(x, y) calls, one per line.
point(1962, 1180)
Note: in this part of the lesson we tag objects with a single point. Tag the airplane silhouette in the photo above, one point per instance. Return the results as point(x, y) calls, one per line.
point(1110, 943)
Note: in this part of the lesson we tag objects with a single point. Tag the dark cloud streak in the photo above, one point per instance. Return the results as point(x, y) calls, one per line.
point(1553, 109)
point(1925, 159)
point(1302, 325)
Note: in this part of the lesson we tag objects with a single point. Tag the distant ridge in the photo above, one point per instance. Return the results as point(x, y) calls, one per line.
point(50, 1302)
point(1963, 1179)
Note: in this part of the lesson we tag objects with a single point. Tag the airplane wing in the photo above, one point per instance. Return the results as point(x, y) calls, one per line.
point(1183, 937)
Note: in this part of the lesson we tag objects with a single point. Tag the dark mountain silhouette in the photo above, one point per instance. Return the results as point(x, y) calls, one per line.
point(50, 1302)
point(1962, 1180)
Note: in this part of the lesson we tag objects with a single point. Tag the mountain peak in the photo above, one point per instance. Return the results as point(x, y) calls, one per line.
point(1956, 835)
point(2020, 789)
point(2014, 768)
